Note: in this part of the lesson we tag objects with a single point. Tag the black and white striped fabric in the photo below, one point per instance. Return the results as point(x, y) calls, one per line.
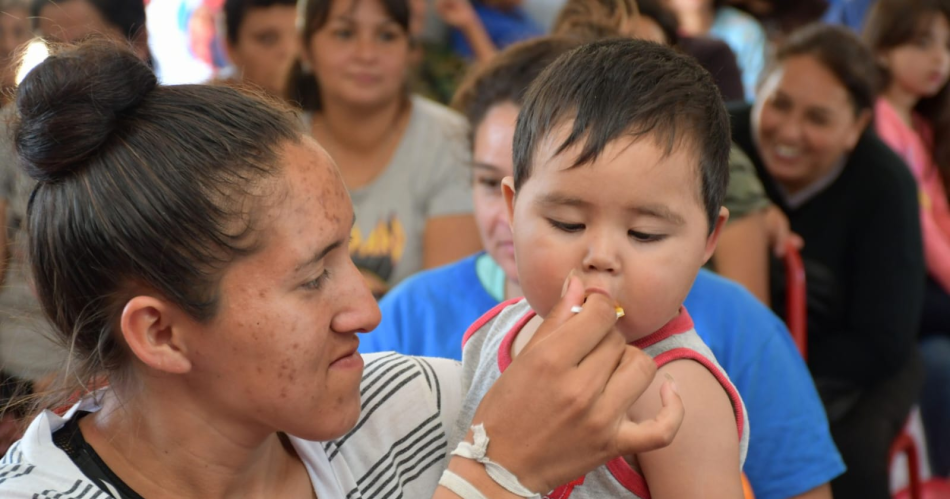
point(396, 450)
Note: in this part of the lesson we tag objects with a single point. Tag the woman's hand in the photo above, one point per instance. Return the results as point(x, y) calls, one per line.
point(780, 231)
point(560, 409)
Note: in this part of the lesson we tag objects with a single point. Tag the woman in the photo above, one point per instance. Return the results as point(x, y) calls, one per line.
point(400, 155)
point(428, 313)
point(912, 42)
point(262, 42)
point(189, 245)
point(855, 205)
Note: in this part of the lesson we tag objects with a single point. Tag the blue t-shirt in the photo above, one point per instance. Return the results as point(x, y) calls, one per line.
point(790, 451)
point(504, 27)
point(850, 13)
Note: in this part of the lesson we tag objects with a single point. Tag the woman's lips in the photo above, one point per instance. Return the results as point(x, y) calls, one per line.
point(350, 360)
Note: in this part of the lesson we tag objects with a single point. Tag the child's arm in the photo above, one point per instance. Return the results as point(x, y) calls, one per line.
point(703, 460)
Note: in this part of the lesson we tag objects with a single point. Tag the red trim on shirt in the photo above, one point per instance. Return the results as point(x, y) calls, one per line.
point(685, 353)
point(504, 351)
point(628, 477)
point(491, 314)
point(621, 469)
point(678, 325)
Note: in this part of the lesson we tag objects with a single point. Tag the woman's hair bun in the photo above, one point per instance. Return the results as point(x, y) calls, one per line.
point(71, 104)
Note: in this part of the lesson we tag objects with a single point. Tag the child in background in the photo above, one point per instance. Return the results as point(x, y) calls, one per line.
point(262, 42)
point(621, 163)
point(911, 39)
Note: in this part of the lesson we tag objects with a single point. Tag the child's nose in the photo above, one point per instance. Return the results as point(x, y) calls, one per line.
point(601, 258)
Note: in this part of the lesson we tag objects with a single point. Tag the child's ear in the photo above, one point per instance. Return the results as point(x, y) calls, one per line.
point(713, 238)
point(508, 190)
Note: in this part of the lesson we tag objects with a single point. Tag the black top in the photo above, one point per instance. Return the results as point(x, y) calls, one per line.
point(864, 258)
point(70, 440)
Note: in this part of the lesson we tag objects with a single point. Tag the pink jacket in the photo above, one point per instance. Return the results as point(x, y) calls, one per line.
point(913, 144)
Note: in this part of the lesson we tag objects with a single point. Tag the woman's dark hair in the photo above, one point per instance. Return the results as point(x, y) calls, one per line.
point(894, 23)
point(506, 78)
point(664, 18)
point(141, 188)
point(842, 53)
point(303, 86)
point(128, 16)
point(236, 10)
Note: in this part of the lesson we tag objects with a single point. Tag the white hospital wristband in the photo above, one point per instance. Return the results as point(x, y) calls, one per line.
point(476, 451)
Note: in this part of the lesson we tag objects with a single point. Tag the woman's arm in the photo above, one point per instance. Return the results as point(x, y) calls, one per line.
point(743, 254)
point(449, 238)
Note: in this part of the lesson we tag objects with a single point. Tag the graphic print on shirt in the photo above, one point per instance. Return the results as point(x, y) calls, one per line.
point(378, 253)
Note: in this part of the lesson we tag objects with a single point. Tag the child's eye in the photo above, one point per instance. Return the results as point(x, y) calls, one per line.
point(317, 283)
point(566, 227)
point(643, 237)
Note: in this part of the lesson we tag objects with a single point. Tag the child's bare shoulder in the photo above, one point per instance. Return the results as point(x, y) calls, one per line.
point(708, 442)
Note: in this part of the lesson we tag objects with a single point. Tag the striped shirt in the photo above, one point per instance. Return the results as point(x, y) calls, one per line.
point(396, 450)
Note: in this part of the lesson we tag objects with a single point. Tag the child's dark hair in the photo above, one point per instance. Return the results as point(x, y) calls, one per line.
point(841, 52)
point(236, 10)
point(141, 188)
point(894, 23)
point(303, 87)
point(505, 79)
point(629, 88)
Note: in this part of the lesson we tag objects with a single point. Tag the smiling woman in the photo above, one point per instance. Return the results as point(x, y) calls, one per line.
point(855, 205)
point(189, 245)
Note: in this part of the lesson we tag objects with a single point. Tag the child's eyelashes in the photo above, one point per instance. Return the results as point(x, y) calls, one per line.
point(644, 237)
point(317, 283)
point(566, 227)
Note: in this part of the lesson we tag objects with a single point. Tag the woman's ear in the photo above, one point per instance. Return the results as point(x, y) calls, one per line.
point(155, 333)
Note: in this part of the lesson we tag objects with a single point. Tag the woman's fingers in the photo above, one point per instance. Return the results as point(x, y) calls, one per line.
point(576, 333)
point(656, 433)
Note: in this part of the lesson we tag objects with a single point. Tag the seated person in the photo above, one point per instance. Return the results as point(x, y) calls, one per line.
point(855, 205)
point(912, 42)
point(402, 156)
point(262, 42)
